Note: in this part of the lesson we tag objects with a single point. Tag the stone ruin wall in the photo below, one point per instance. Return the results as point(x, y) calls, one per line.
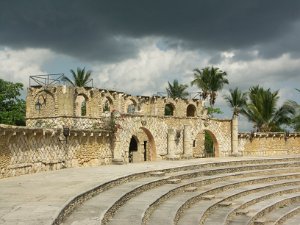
point(29, 150)
point(269, 144)
point(91, 143)
point(181, 129)
point(59, 106)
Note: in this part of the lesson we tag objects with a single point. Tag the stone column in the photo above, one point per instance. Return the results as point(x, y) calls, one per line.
point(117, 156)
point(187, 142)
point(171, 143)
point(234, 134)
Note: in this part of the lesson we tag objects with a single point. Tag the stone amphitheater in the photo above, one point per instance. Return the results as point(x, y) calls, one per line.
point(156, 168)
point(221, 191)
point(257, 191)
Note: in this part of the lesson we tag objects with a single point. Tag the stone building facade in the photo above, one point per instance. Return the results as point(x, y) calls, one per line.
point(144, 127)
point(107, 127)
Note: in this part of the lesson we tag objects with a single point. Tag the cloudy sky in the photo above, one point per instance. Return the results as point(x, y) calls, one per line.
point(137, 46)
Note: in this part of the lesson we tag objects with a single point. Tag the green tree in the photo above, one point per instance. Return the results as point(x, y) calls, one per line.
point(261, 110)
point(237, 100)
point(210, 80)
point(12, 108)
point(296, 123)
point(296, 119)
point(208, 145)
point(177, 90)
point(80, 78)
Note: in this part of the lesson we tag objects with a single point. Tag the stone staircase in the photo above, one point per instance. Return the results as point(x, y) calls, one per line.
point(258, 191)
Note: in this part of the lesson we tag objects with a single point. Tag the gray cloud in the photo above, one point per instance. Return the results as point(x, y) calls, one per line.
point(108, 30)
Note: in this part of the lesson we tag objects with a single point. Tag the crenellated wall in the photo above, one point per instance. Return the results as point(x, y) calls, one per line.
point(269, 144)
point(168, 127)
point(106, 126)
point(51, 102)
point(29, 150)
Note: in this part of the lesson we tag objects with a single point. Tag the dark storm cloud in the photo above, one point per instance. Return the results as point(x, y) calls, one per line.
point(109, 30)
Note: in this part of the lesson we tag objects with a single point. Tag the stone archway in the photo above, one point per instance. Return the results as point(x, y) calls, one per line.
point(133, 148)
point(44, 103)
point(199, 144)
point(214, 142)
point(149, 146)
point(141, 146)
point(81, 105)
point(191, 111)
point(169, 109)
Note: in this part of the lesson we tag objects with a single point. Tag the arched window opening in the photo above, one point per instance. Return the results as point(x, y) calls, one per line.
point(106, 106)
point(131, 109)
point(80, 106)
point(191, 111)
point(169, 110)
point(83, 108)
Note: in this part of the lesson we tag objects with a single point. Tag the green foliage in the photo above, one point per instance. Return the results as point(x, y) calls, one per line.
point(261, 110)
point(80, 78)
point(83, 108)
point(210, 80)
point(106, 107)
point(168, 110)
point(296, 120)
point(208, 144)
point(12, 109)
point(296, 123)
point(212, 110)
point(237, 100)
point(177, 90)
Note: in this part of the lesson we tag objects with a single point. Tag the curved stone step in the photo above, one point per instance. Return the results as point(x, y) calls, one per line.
point(281, 201)
point(137, 206)
point(92, 209)
point(194, 200)
point(277, 213)
point(255, 204)
point(212, 180)
point(195, 214)
point(115, 207)
point(289, 217)
point(216, 214)
point(83, 197)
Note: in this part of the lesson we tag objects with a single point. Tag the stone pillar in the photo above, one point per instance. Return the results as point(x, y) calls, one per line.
point(117, 156)
point(171, 143)
point(234, 134)
point(187, 142)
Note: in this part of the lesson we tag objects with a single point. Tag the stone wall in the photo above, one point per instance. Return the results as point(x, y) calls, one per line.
point(172, 137)
point(66, 102)
point(165, 128)
point(29, 150)
point(269, 144)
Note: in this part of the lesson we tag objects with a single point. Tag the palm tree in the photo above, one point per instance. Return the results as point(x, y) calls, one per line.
point(261, 110)
point(201, 81)
point(210, 81)
point(296, 119)
point(237, 100)
point(177, 90)
point(81, 77)
point(296, 122)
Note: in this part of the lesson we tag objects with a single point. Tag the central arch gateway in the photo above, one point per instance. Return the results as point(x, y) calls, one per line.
point(169, 138)
point(142, 146)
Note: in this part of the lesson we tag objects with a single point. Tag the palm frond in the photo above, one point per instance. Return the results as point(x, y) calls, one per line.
point(66, 79)
point(80, 77)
